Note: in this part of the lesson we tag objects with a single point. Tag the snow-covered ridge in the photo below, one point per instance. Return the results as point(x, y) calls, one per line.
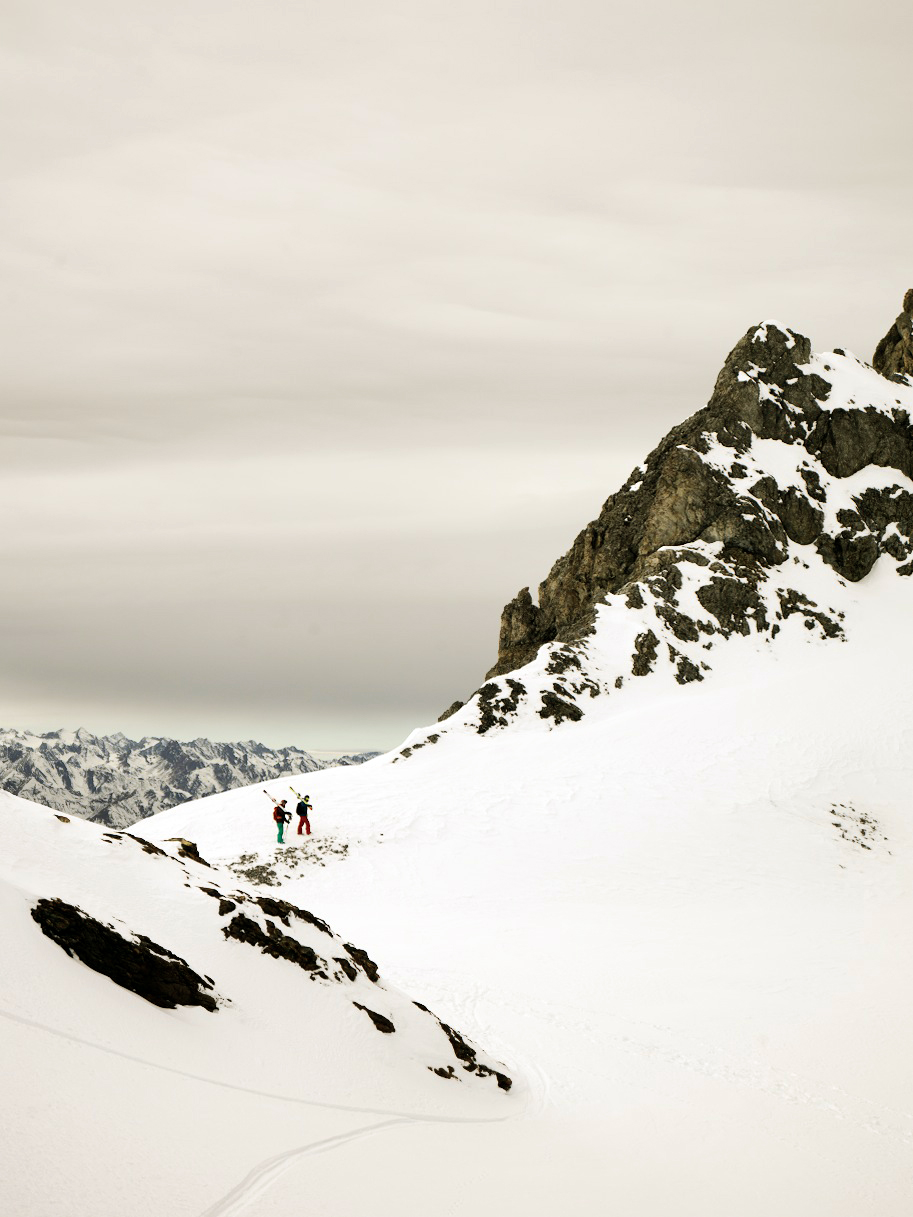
point(750, 521)
point(118, 781)
point(111, 939)
point(678, 902)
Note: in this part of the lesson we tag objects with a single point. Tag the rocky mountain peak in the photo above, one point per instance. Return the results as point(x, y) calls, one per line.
point(894, 354)
point(798, 460)
point(769, 388)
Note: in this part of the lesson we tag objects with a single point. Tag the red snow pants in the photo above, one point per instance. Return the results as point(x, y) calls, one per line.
point(304, 822)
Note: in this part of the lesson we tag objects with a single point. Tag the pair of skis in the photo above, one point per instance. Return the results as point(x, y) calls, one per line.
point(287, 816)
point(275, 802)
point(302, 798)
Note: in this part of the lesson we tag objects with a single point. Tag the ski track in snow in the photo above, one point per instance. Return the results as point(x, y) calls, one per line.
point(399, 1116)
point(258, 1181)
point(260, 1178)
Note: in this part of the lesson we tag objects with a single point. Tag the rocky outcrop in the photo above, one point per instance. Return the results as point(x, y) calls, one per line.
point(136, 963)
point(769, 388)
point(894, 354)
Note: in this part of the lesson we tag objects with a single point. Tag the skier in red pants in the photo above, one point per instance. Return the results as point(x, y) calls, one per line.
point(303, 808)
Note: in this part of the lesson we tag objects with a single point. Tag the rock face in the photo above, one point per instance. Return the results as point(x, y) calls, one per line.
point(792, 482)
point(767, 390)
point(135, 962)
point(117, 781)
point(894, 354)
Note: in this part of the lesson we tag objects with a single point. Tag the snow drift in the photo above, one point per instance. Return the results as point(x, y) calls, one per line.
point(661, 862)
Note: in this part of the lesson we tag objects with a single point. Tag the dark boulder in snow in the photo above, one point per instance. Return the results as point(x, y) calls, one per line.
point(272, 941)
point(141, 965)
point(379, 1020)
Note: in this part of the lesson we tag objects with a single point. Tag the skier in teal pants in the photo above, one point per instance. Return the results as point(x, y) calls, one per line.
point(281, 816)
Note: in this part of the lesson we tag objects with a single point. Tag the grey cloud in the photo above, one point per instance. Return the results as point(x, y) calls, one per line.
point(267, 267)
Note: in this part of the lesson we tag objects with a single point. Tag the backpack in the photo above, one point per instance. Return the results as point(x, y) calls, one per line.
point(278, 814)
point(303, 808)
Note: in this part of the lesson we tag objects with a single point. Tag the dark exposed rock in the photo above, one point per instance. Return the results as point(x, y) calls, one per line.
point(562, 659)
point(467, 1055)
point(282, 909)
point(850, 553)
point(734, 603)
point(644, 657)
point(407, 752)
point(766, 390)
point(226, 907)
point(146, 846)
point(634, 597)
point(813, 485)
point(347, 966)
point(792, 602)
point(188, 849)
point(677, 499)
point(495, 706)
point(686, 671)
point(364, 961)
point(274, 943)
point(882, 509)
point(684, 629)
point(558, 708)
point(522, 633)
point(451, 710)
point(799, 517)
point(142, 966)
point(461, 1050)
point(845, 441)
point(380, 1022)
point(893, 356)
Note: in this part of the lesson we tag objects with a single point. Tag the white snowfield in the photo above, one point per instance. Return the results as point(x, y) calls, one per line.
point(682, 923)
point(113, 1105)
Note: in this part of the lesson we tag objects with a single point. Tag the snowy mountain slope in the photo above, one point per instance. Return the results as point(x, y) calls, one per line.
point(685, 919)
point(117, 781)
point(297, 1036)
point(684, 911)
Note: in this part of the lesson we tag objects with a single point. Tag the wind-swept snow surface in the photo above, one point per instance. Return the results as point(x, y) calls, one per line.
point(684, 920)
point(113, 1105)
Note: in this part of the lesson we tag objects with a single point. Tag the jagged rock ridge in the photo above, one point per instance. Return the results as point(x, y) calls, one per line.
point(894, 354)
point(117, 781)
point(797, 459)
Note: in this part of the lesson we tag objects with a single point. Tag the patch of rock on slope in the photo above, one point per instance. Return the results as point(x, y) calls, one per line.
point(797, 476)
point(238, 938)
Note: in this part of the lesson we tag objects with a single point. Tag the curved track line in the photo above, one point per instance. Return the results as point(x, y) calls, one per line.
point(262, 1094)
point(254, 1184)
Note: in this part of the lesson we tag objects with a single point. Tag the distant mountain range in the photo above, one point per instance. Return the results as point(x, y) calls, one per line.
point(116, 781)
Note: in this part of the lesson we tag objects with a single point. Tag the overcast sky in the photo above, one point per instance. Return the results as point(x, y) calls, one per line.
point(327, 326)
